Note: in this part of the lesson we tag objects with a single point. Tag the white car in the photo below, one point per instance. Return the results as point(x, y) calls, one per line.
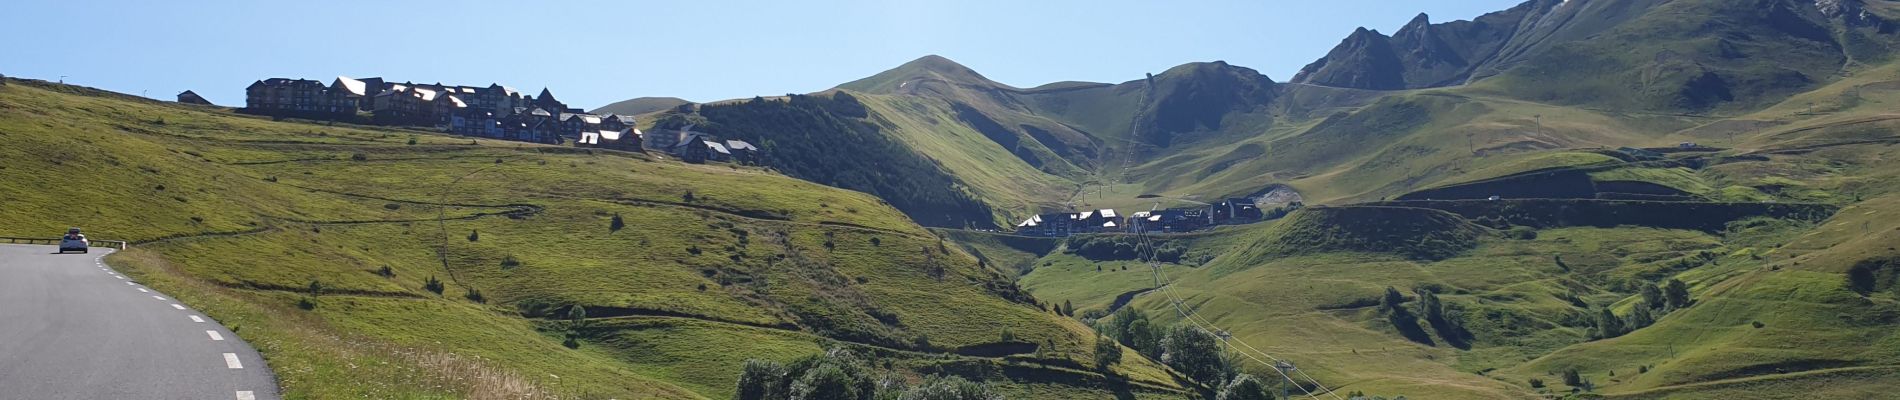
point(74, 241)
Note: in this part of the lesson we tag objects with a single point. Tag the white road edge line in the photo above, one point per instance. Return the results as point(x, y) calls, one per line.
point(245, 395)
point(231, 360)
point(178, 306)
point(195, 318)
point(215, 335)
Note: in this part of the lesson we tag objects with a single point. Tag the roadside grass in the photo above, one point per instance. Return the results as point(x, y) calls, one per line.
point(358, 222)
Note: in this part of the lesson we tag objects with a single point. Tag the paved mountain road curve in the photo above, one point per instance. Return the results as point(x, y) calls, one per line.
point(72, 328)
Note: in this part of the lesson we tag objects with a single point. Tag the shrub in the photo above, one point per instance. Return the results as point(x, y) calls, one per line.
point(1107, 352)
point(316, 288)
point(1676, 294)
point(475, 296)
point(433, 285)
point(474, 235)
point(1572, 378)
point(922, 342)
point(392, 206)
point(412, 140)
point(761, 380)
point(616, 224)
point(1243, 387)
point(825, 382)
point(359, 157)
point(946, 388)
point(1521, 233)
point(386, 272)
point(1196, 353)
point(1868, 276)
point(509, 262)
point(1537, 383)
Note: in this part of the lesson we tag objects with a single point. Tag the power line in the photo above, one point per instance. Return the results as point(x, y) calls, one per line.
point(1145, 245)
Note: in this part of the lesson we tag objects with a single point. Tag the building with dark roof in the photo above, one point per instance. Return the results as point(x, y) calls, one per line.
point(189, 97)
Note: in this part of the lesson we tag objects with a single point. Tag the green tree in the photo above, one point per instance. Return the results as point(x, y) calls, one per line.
point(616, 224)
point(1653, 297)
point(950, 388)
point(1572, 378)
point(1068, 308)
point(1640, 317)
point(825, 382)
point(1401, 318)
point(1244, 387)
point(761, 380)
point(1676, 294)
point(433, 285)
point(1107, 352)
point(577, 315)
point(1196, 353)
point(1393, 300)
point(1608, 325)
point(1134, 330)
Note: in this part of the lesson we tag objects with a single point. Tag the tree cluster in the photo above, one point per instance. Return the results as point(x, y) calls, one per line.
point(840, 375)
point(1656, 302)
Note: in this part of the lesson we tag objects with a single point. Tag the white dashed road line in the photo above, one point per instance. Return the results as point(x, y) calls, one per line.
point(245, 395)
point(178, 306)
point(128, 283)
point(142, 290)
point(159, 297)
point(215, 335)
point(231, 360)
point(195, 318)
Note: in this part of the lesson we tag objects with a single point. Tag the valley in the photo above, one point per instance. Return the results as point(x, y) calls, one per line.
point(1623, 199)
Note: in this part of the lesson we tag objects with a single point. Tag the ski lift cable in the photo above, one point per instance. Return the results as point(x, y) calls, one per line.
point(1145, 245)
point(1204, 324)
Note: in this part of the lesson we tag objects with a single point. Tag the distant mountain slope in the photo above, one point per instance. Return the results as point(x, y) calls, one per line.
point(1423, 54)
point(1380, 115)
point(380, 263)
point(641, 105)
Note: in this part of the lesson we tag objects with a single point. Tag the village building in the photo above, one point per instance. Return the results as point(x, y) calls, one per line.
point(1234, 211)
point(742, 152)
point(189, 97)
point(300, 98)
point(625, 139)
point(1047, 225)
point(1168, 221)
point(1098, 221)
point(493, 111)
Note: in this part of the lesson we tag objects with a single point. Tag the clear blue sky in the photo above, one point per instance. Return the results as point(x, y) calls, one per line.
point(594, 52)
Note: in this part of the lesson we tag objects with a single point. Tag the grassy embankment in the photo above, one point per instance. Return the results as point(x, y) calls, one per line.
point(240, 217)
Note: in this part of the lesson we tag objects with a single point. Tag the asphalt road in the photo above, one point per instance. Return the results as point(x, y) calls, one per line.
point(70, 328)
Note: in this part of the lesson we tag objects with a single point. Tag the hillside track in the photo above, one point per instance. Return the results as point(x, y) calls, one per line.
point(76, 329)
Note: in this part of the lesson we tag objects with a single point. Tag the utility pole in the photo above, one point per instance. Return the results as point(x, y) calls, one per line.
point(1286, 370)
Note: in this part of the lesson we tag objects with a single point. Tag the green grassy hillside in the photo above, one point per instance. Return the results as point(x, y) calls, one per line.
point(1773, 312)
point(366, 262)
